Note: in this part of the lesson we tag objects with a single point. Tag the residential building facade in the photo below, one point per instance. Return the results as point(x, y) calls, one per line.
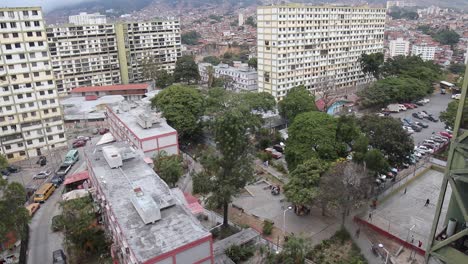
point(146, 221)
point(239, 77)
point(132, 92)
point(87, 19)
point(30, 115)
point(426, 52)
point(315, 46)
point(109, 54)
point(398, 47)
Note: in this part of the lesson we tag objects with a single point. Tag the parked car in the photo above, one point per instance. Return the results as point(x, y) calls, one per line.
point(421, 124)
point(13, 168)
point(429, 146)
point(79, 143)
point(42, 175)
point(408, 129)
point(58, 257)
point(439, 139)
point(279, 148)
point(84, 138)
point(409, 106)
point(32, 208)
point(432, 118)
point(57, 180)
point(102, 131)
point(445, 134)
point(275, 154)
point(416, 127)
point(417, 115)
point(408, 120)
point(425, 149)
point(456, 96)
point(430, 141)
point(42, 161)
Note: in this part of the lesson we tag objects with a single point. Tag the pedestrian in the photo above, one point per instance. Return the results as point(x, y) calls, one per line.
point(358, 231)
point(419, 243)
point(427, 202)
point(370, 216)
point(404, 191)
point(412, 239)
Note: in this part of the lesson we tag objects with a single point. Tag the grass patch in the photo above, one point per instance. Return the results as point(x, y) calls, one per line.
point(339, 249)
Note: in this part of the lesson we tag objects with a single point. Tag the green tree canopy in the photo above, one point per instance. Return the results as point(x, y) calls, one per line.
point(190, 38)
point(312, 134)
point(401, 13)
point(15, 216)
point(294, 251)
point(250, 21)
point(163, 78)
point(259, 101)
point(3, 161)
point(448, 116)
point(347, 130)
point(457, 68)
point(393, 90)
point(212, 59)
point(375, 161)
point(297, 100)
point(371, 63)
point(252, 63)
point(412, 66)
point(303, 185)
point(387, 135)
point(447, 37)
point(186, 70)
point(169, 168)
point(182, 106)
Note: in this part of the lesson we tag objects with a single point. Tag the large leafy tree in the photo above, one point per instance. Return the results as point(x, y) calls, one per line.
point(15, 217)
point(163, 78)
point(298, 100)
point(457, 68)
point(294, 251)
point(78, 222)
point(344, 187)
point(252, 62)
point(448, 116)
point(303, 185)
point(182, 106)
point(212, 59)
point(412, 66)
point(375, 161)
point(347, 130)
point(393, 90)
point(186, 70)
point(190, 38)
point(371, 63)
point(169, 168)
point(227, 169)
point(387, 135)
point(312, 134)
point(447, 37)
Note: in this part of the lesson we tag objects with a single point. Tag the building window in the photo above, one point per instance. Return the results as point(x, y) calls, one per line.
point(30, 142)
point(13, 24)
point(25, 13)
point(29, 34)
point(15, 35)
point(32, 44)
point(26, 75)
point(3, 25)
point(50, 137)
point(34, 12)
point(22, 153)
point(17, 45)
point(36, 23)
point(6, 35)
point(38, 34)
point(10, 156)
point(8, 46)
point(7, 147)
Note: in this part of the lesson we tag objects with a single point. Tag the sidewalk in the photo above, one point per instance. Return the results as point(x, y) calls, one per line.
point(271, 171)
point(363, 242)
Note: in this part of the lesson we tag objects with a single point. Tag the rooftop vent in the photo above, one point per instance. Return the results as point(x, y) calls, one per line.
point(112, 156)
point(146, 207)
point(127, 153)
point(146, 120)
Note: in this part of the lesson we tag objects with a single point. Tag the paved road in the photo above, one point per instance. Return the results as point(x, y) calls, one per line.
point(42, 240)
point(437, 104)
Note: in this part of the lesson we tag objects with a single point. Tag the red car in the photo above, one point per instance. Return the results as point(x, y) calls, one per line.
point(410, 106)
point(79, 143)
point(445, 134)
point(102, 131)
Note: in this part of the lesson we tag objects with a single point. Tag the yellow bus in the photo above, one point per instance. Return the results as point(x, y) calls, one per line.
point(44, 192)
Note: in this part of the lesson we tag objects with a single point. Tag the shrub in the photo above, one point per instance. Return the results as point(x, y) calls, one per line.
point(264, 156)
point(267, 227)
point(240, 253)
point(342, 235)
point(279, 167)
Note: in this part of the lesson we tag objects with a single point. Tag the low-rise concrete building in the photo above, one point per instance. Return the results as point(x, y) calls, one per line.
point(142, 127)
point(239, 77)
point(128, 91)
point(146, 221)
point(426, 52)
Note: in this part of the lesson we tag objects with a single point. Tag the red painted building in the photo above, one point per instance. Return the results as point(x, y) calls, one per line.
point(129, 91)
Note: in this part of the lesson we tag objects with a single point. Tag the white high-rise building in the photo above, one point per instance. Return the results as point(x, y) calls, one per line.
point(425, 51)
point(241, 19)
point(31, 119)
point(398, 47)
point(315, 46)
point(87, 19)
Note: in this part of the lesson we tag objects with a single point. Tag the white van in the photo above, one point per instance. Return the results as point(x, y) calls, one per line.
point(401, 107)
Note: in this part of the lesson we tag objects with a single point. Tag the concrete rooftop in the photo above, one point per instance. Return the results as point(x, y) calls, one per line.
point(177, 226)
point(129, 119)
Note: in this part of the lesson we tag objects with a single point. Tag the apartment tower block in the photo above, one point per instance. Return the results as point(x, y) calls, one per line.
point(315, 46)
point(30, 115)
point(109, 54)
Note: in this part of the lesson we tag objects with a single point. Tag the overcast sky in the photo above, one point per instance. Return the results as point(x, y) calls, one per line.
point(46, 4)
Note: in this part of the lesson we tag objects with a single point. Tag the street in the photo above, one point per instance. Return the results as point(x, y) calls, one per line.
point(437, 104)
point(42, 241)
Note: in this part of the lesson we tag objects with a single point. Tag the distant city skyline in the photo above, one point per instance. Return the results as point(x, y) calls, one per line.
point(45, 4)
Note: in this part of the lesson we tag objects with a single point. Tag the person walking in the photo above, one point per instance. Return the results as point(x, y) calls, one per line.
point(404, 191)
point(370, 216)
point(358, 232)
point(427, 202)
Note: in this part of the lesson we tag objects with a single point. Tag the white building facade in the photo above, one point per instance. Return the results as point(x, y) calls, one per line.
point(239, 77)
point(30, 115)
point(87, 19)
point(315, 46)
point(398, 47)
point(426, 52)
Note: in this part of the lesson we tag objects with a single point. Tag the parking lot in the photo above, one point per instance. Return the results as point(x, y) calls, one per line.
point(437, 104)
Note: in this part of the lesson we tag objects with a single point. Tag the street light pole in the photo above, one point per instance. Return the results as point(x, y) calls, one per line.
point(386, 251)
point(284, 220)
point(409, 231)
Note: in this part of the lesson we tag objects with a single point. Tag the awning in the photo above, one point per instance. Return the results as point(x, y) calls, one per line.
point(193, 204)
point(84, 175)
